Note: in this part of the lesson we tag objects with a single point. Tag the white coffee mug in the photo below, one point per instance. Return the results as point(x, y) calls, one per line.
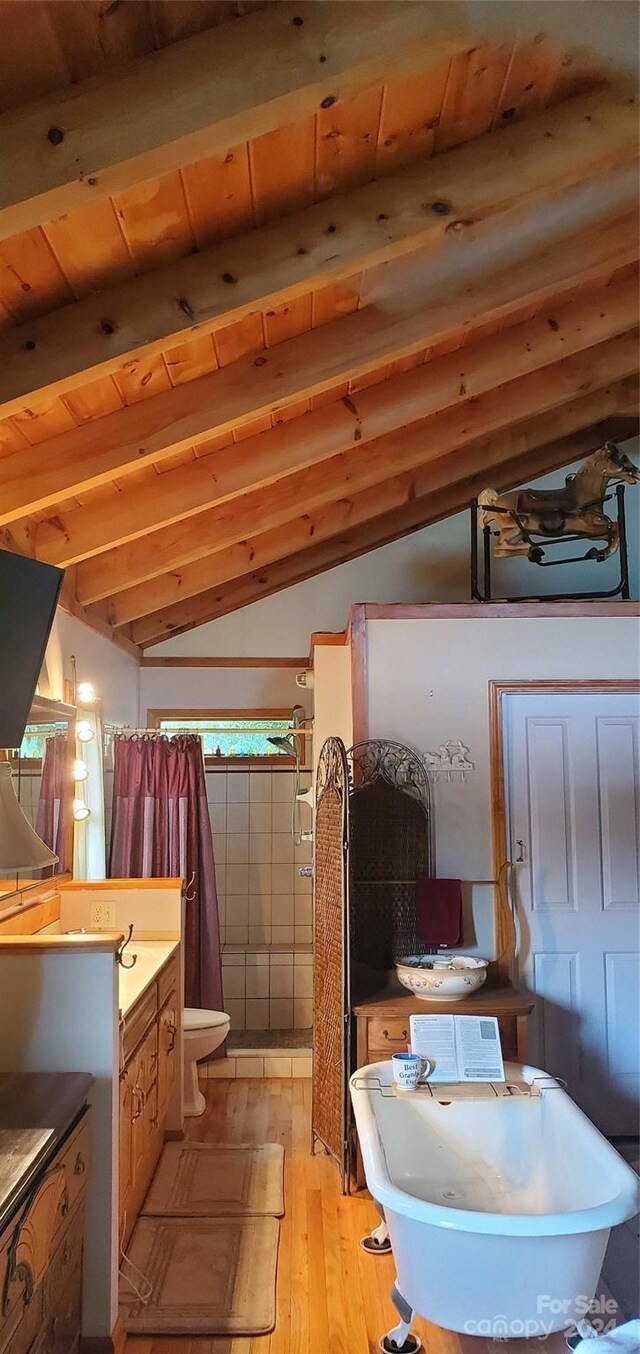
point(409, 1069)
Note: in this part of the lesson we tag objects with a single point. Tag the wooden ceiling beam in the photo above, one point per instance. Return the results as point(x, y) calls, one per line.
point(482, 367)
point(322, 244)
point(379, 531)
point(347, 348)
point(178, 494)
point(202, 96)
point(442, 441)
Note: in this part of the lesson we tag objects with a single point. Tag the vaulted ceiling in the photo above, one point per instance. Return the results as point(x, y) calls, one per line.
point(281, 282)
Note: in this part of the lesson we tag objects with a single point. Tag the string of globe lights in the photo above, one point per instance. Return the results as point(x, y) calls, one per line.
point(84, 697)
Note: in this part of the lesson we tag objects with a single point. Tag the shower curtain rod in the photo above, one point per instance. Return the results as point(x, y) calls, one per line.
point(237, 728)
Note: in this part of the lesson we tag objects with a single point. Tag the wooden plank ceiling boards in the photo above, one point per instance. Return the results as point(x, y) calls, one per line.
point(279, 283)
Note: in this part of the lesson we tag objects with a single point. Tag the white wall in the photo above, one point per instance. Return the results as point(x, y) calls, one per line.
point(333, 708)
point(427, 682)
point(113, 671)
point(430, 565)
point(219, 689)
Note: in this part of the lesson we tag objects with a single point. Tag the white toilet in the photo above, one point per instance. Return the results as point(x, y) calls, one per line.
point(202, 1034)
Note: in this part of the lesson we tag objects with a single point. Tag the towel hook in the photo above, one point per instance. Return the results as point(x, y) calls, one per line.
point(190, 897)
point(120, 951)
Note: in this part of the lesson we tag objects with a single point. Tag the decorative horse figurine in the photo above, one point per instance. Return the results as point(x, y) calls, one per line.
point(573, 512)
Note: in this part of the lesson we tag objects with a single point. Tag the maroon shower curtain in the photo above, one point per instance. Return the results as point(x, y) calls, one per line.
point(160, 828)
point(55, 808)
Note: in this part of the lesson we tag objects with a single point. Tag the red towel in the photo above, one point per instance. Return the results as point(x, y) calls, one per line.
point(439, 912)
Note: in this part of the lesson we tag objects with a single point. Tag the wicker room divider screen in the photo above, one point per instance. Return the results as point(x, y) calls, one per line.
point(331, 996)
point(373, 840)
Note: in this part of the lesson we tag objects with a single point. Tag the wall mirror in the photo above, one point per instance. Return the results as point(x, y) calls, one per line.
point(44, 781)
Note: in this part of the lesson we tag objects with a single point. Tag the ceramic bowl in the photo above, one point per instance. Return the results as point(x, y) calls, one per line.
point(450, 979)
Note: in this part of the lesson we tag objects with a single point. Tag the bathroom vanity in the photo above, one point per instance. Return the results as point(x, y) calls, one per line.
point(44, 1169)
point(149, 1075)
point(71, 997)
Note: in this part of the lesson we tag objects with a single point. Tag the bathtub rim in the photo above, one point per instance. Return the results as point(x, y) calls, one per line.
point(600, 1217)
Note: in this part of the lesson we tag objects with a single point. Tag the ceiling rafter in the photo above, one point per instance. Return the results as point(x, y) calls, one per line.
point(408, 400)
point(449, 432)
point(324, 243)
point(201, 96)
point(39, 477)
point(382, 530)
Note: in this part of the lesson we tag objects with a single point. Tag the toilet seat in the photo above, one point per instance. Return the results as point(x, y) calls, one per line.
point(193, 1019)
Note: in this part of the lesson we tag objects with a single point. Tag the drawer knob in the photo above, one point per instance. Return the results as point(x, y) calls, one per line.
point(64, 1203)
point(172, 1032)
point(80, 1167)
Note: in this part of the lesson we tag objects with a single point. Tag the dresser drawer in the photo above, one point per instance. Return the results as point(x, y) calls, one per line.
point(62, 1323)
point(19, 1332)
point(75, 1161)
point(387, 1036)
point(67, 1259)
point(31, 1238)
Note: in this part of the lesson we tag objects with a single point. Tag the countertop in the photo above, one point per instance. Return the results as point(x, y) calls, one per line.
point(36, 1108)
point(152, 955)
point(393, 999)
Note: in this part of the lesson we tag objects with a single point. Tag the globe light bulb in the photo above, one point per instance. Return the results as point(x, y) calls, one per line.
point(80, 811)
point(84, 732)
point(80, 771)
point(86, 693)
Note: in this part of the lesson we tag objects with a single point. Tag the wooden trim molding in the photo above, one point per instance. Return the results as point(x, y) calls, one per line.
point(106, 885)
point(176, 662)
point(427, 611)
point(106, 943)
point(497, 689)
point(31, 917)
point(359, 702)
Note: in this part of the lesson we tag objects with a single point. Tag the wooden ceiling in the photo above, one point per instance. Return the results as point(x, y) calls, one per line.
point(280, 283)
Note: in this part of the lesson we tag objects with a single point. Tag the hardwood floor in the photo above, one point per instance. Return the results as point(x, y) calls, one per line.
point(333, 1298)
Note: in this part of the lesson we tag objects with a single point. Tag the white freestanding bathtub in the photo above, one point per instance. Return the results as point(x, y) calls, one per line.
point(498, 1211)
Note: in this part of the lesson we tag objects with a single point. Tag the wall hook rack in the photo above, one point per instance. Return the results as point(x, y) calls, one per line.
point(450, 759)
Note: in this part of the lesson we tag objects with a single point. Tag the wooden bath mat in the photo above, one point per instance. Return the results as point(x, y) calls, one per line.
point(204, 1276)
point(201, 1179)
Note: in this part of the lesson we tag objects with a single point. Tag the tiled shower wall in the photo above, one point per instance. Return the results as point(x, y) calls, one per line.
point(263, 900)
point(265, 905)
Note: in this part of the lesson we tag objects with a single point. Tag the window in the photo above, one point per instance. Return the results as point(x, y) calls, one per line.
point(230, 736)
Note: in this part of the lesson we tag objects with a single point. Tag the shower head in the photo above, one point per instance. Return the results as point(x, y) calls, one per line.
point(284, 743)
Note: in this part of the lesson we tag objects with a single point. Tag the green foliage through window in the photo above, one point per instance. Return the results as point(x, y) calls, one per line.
point(229, 739)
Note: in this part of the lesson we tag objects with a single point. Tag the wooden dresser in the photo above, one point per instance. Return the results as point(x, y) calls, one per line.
point(44, 1163)
point(382, 1019)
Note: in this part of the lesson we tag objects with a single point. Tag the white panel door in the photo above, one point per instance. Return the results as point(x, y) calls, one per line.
point(573, 799)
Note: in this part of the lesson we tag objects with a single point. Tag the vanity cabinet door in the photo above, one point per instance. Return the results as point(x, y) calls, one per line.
point(167, 1055)
point(126, 1138)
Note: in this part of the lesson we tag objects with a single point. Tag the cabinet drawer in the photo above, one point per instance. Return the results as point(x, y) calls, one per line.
point(67, 1259)
point(75, 1160)
point(139, 1019)
point(168, 979)
point(25, 1254)
point(24, 1326)
point(388, 1036)
point(62, 1323)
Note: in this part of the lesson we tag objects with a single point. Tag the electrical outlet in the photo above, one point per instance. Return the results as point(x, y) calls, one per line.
point(103, 915)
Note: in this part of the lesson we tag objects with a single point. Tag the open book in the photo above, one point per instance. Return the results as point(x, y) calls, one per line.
point(464, 1047)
